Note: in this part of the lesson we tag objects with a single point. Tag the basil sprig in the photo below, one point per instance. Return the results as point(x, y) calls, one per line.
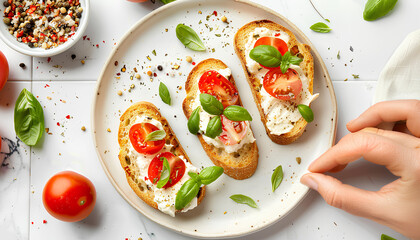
point(28, 118)
point(189, 38)
point(237, 113)
point(269, 56)
point(386, 237)
point(266, 55)
point(320, 27)
point(375, 9)
point(155, 136)
point(214, 127)
point(192, 186)
point(165, 173)
point(167, 1)
point(242, 199)
point(210, 104)
point(164, 93)
point(193, 123)
point(276, 178)
point(306, 112)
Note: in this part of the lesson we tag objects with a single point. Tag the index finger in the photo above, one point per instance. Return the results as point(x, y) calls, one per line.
point(389, 111)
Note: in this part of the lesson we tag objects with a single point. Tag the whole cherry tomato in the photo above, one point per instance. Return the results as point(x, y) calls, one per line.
point(4, 70)
point(69, 196)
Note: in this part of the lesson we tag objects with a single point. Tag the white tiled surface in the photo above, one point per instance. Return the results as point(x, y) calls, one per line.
point(21, 181)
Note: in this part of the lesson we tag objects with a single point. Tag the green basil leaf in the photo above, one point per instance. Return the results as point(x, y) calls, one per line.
point(237, 113)
point(195, 176)
point(320, 27)
point(165, 173)
point(242, 199)
point(167, 1)
point(277, 178)
point(189, 38)
point(155, 136)
point(375, 9)
point(210, 104)
point(295, 60)
point(186, 194)
point(214, 128)
point(194, 121)
point(285, 62)
point(164, 93)
point(28, 118)
point(210, 174)
point(386, 237)
point(306, 112)
point(266, 55)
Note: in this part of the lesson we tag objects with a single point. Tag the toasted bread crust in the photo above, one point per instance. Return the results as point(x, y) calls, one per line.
point(296, 48)
point(239, 165)
point(130, 167)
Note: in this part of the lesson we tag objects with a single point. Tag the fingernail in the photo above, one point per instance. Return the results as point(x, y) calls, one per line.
point(309, 182)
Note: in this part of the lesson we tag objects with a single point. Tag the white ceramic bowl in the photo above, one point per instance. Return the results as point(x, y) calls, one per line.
point(40, 52)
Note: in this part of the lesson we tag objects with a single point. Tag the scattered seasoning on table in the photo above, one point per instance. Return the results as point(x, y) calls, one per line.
point(68, 116)
point(83, 61)
point(116, 63)
point(138, 76)
point(119, 93)
point(22, 65)
point(224, 19)
point(83, 128)
point(42, 24)
point(188, 59)
point(58, 124)
point(73, 56)
point(48, 59)
point(44, 221)
point(298, 160)
point(108, 130)
point(160, 68)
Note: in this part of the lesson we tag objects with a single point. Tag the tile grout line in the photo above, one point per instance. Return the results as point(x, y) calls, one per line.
point(30, 161)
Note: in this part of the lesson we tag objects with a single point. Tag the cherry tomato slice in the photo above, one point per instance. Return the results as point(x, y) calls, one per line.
point(138, 133)
point(213, 83)
point(233, 132)
point(275, 42)
point(285, 86)
point(176, 164)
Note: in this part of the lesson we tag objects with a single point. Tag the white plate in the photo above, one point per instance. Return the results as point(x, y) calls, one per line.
point(217, 216)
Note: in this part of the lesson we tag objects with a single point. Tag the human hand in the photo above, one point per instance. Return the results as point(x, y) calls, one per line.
point(397, 204)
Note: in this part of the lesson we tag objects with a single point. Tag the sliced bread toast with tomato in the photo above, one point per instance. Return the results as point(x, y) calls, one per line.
point(240, 164)
point(131, 166)
point(242, 48)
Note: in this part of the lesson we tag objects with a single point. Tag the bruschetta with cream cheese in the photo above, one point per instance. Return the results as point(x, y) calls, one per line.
point(234, 147)
point(278, 91)
point(147, 143)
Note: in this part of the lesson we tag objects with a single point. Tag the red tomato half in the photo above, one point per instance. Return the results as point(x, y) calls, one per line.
point(211, 82)
point(285, 86)
point(275, 42)
point(4, 70)
point(233, 132)
point(138, 133)
point(175, 163)
point(69, 196)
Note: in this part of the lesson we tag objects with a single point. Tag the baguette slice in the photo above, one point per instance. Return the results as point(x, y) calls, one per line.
point(238, 165)
point(295, 48)
point(130, 167)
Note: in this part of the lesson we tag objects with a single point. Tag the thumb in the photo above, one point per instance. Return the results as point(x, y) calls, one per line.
point(350, 199)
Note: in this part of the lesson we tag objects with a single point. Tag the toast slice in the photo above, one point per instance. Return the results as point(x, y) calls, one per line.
point(238, 165)
point(131, 168)
point(297, 49)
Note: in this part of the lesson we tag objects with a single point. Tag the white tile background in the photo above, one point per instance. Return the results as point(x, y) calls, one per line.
point(22, 180)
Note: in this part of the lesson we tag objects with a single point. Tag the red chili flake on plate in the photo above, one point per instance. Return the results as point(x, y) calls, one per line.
point(88, 39)
point(215, 13)
point(277, 34)
point(44, 222)
point(154, 74)
point(68, 116)
point(58, 124)
point(118, 74)
point(103, 41)
point(32, 222)
point(97, 45)
point(49, 59)
point(46, 85)
point(193, 63)
point(84, 37)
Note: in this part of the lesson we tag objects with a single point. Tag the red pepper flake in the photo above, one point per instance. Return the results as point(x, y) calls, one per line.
point(88, 39)
point(118, 74)
point(193, 63)
point(58, 124)
point(215, 13)
point(103, 41)
point(68, 116)
point(44, 222)
point(97, 45)
point(154, 74)
point(84, 37)
point(46, 85)
point(32, 223)
point(277, 34)
point(49, 59)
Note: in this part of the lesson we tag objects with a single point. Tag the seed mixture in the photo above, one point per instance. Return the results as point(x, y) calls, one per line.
point(43, 24)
